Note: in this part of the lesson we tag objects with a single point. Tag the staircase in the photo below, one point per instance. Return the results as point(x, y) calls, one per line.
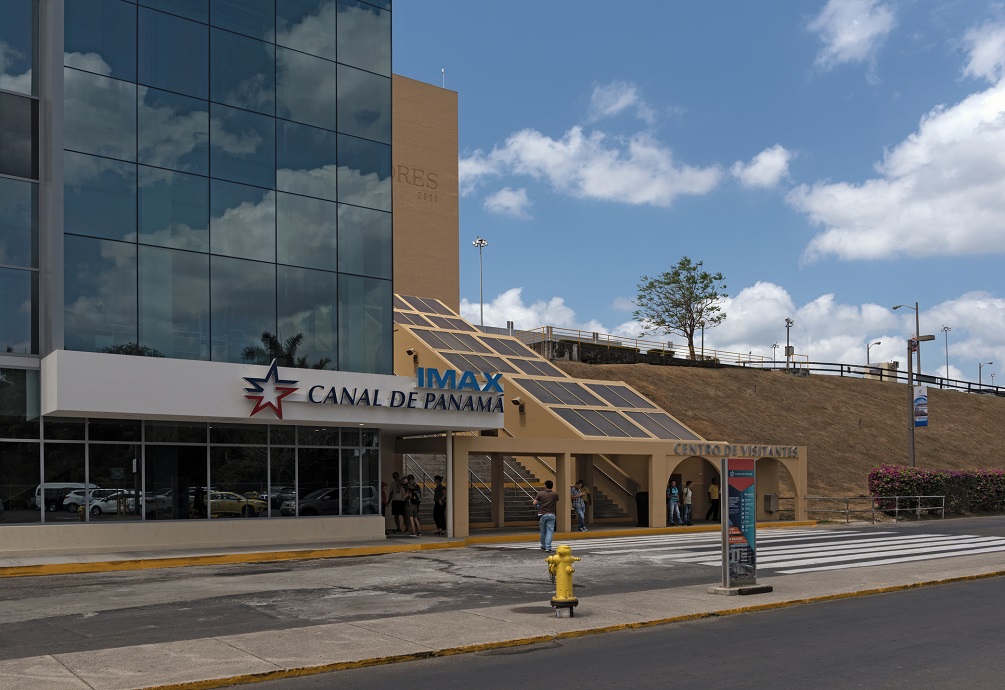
point(520, 485)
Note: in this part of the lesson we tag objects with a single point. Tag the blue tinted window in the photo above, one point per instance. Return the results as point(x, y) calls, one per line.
point(18, 136)
point(243, 146)
point(308, 26)
point(364, 173)
point(99, 283)
point(364, 241)
point(100, 36)
point(306, 232)
point(19, 311)
point(308, 307)
point(364, 104)
point(242, 72)
point(174, 209)
point(99, 115)
point(306, 160)
point(174, 302)
point(243, 304)
point(242, 221)
point(18, 223)
point(364, 37)
point(99, 197)
point(255, 18)
point(173, 131)
point(190, 9)
point(365, 329)
point(305, 88)
point(173, 54)
point(18, 33)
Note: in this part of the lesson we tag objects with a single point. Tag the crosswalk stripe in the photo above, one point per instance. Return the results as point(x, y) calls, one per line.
point(789, 551)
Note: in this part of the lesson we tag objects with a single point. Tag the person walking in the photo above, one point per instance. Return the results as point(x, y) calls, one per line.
point(687, 496)
point(579, 504)
point(398, 503)
point(673, 504)
point(440, 506)
point(413, 497)
point(713, 501)
point(546, 503)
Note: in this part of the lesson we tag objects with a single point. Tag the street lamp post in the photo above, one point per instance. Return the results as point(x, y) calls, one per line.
point(789, 323)
point(480, 243)
point(702, 324)
point(946, 329)
point(917, 335)
point(913, 345)
point(980, 367)
point(774, 351)
point(869, 347)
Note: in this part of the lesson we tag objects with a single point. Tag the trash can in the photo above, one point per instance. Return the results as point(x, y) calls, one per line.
point(642, 508)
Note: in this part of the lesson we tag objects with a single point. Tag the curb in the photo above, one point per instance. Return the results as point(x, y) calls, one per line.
point(243, 679)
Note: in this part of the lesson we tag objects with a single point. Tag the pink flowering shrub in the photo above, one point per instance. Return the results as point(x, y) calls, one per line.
point(966, 491)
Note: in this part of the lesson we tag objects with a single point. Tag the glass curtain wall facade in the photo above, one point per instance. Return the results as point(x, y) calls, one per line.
point(66, 471)
point(226, 196)
point(227, 191)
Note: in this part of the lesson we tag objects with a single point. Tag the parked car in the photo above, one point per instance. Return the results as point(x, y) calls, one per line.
point(229, 503)
point(321, 502)
point(280, 494)
point(369, 504)
point(51, 494)
point(112, 503)
point(75, 498)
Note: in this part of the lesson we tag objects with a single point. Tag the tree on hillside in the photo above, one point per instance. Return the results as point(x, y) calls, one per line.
point(681, 301)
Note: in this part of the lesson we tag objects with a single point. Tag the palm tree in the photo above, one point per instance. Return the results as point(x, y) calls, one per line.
point(285, 352)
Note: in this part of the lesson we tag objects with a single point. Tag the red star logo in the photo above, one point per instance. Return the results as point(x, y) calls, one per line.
point(269, 391)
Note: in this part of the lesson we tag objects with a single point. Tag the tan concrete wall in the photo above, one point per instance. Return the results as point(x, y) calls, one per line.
point(168, 535)
point(424, 141)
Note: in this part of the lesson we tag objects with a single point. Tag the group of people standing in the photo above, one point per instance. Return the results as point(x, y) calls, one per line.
point(680, 501)
point(405, 499)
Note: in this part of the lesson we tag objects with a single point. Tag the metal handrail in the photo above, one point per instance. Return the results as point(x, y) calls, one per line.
point(876, 503)
point(518, 480)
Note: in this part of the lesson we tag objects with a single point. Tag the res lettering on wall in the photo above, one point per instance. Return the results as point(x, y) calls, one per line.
point(426, 182)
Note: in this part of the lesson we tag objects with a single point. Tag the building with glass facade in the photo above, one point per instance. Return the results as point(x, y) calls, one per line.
point(196, 264)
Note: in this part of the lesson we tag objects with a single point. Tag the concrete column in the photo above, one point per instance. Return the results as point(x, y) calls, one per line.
point(659, 473)
point(458, 492)
point(498, 490)
point(585, 467)
point(564, 468)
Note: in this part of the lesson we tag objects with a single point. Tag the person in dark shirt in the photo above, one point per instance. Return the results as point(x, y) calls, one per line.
point(546, 502)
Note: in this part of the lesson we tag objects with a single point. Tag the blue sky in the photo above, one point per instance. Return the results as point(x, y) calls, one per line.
point(831, 158)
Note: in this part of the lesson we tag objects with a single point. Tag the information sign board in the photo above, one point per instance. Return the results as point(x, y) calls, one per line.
point(739, 539)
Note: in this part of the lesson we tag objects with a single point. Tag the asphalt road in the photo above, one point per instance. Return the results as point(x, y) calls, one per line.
point(56, 614)
point(946, 636)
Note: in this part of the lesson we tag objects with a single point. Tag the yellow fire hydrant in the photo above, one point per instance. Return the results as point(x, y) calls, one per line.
point(561, 570)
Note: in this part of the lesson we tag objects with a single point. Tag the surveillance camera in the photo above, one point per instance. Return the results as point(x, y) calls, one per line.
point(410, 352)
point(517, 401)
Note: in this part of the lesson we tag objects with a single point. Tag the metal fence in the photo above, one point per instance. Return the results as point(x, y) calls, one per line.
point(871, 505)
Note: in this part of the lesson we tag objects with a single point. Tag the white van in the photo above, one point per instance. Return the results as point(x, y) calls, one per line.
point(55, 492)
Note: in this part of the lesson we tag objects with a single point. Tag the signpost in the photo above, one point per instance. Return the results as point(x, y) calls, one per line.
point(739, 540)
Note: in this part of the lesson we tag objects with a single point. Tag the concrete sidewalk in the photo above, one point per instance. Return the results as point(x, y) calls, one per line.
point(225, 660)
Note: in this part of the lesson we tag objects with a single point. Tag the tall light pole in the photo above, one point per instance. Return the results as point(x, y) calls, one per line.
point(774, 350)
point(946, 329)
point(789, 323)
point(980, 367)
point(917, 335)
point(912, 346)
point(869, 347)
point(481, 244)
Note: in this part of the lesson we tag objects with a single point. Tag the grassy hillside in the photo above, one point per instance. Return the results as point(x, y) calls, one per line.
point(849, 425)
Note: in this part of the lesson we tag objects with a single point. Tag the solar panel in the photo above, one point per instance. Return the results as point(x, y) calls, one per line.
point(578, 422)
point(661, 425)
point(509, 347)
point(620, 396)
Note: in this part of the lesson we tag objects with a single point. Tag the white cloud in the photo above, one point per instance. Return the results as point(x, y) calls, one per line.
point(851, 30)
point(824, 330)
point(616, 97)
point(940, 192)
point(509, 202)
point(638, 171)
point(765, 170)
point(986, 45)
